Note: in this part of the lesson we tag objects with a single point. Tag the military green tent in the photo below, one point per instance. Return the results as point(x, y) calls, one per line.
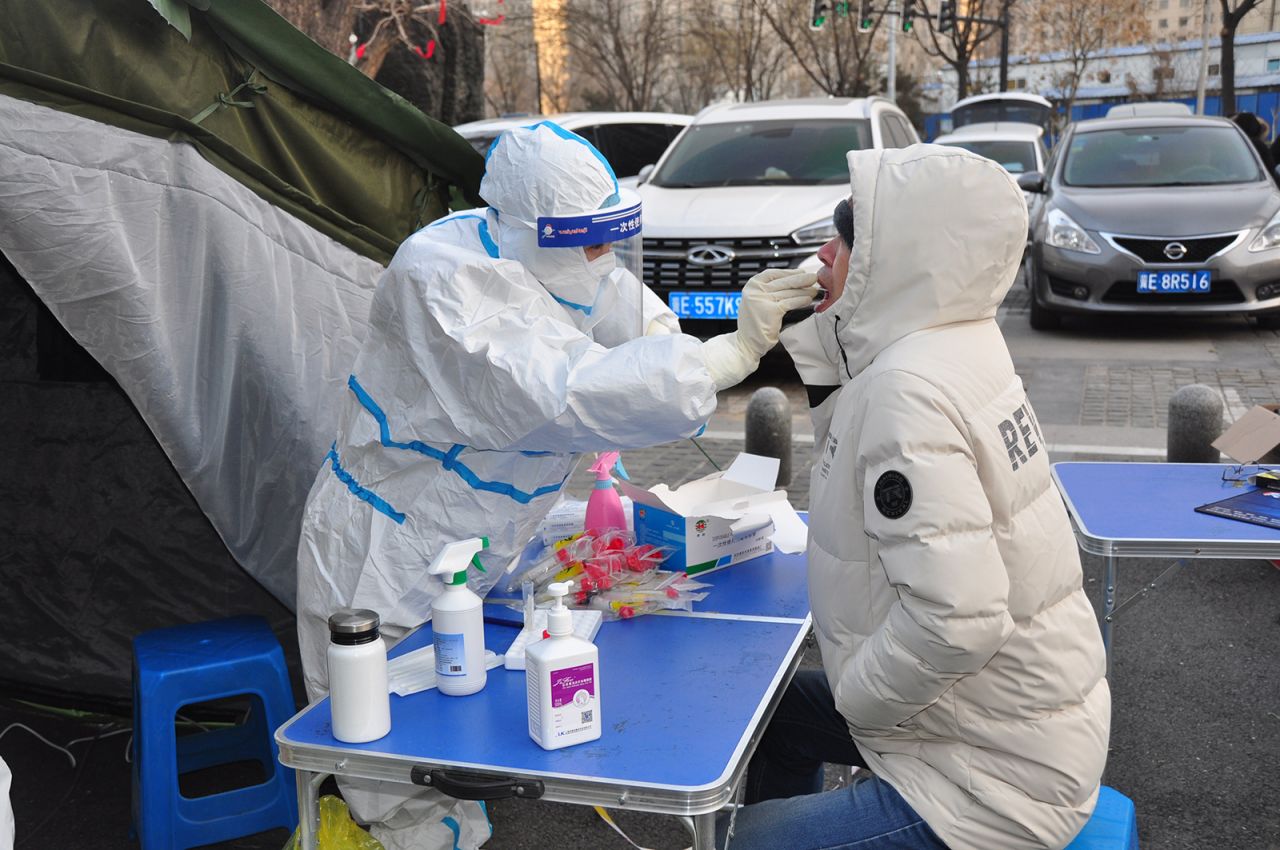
point(193, 215)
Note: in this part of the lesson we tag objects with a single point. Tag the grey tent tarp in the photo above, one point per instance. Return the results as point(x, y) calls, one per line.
point(190, 233)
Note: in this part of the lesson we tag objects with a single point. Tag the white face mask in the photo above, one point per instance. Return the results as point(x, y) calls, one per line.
point(603, 265)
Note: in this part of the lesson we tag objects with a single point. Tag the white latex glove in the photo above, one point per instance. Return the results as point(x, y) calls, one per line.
point(766, 298)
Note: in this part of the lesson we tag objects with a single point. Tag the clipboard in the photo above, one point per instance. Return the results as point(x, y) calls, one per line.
point(1258, 507)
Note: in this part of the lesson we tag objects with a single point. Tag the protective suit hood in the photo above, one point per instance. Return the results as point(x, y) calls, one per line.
point(939, 236)
point(554, 193)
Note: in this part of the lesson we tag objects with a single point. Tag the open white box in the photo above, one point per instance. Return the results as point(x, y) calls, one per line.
point(721, 519)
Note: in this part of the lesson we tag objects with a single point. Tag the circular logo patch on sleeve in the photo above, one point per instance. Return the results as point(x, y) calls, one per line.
point(893, 494)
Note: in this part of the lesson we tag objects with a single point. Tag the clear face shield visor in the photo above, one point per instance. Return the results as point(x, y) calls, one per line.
point(616, 224)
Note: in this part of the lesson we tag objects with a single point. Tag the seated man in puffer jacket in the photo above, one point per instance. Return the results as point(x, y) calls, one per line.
point(963, 664)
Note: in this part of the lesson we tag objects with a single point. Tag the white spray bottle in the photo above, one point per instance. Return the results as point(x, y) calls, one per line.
point(562, 677)
point(457, 620)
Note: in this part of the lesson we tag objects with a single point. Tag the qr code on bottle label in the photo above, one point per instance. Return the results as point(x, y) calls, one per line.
point(587, 715)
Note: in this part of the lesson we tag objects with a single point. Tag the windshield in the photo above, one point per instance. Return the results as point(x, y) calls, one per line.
point(1013, 157)
point(759, 153)
point(988, 111)
point(1160, 156)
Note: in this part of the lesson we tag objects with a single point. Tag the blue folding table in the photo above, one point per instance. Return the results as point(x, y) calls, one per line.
point(684, 698)
point(1138, 510)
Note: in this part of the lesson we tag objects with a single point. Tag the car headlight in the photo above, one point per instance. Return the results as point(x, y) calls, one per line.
point(819, 231)
point(1269, 237)
point(1067, 235)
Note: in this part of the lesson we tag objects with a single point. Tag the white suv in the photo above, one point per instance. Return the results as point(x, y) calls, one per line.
point(629, 140)
point(752, 186)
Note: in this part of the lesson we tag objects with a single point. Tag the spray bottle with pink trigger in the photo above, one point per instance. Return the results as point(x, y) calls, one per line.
point(604, 507)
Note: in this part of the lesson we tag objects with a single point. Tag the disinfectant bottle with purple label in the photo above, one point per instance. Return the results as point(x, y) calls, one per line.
point(562, 675)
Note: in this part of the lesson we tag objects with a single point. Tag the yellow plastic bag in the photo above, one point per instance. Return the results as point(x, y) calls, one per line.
point(337, 830)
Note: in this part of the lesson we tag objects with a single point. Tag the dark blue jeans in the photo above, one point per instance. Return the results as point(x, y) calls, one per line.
point(786, 806)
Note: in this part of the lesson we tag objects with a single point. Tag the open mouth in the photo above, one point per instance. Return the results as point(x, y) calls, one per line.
point(825, 300)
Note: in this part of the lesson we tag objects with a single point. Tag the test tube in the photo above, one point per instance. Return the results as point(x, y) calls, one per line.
point(526, 591)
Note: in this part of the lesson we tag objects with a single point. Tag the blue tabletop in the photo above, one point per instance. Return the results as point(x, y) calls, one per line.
point(678, 698)
point(1154, 502)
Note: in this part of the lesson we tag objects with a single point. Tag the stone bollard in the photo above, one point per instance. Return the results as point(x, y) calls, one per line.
point(1195, 421)
point(769, 429)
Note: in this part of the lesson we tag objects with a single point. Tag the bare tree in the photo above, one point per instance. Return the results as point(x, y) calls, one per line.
point(740, 42)
point(1232, 13)
point(511, 75)
point(837, 58)
point(1079, 30)
point(328, 22)
point(620, 49)
point(696, 77)
point(960, 45)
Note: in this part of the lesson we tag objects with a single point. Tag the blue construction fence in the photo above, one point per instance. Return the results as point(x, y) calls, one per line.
point(1264, 104)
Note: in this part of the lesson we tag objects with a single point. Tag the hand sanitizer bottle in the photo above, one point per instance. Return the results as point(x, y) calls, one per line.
point(562, 677)
point(457, 621)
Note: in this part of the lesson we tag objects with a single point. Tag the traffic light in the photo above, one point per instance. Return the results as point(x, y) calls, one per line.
point(946, 15)
point(908, 14)
point(865, 21)
point(821, 9)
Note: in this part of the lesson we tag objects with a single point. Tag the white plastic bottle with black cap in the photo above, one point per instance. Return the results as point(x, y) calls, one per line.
point(358, 694)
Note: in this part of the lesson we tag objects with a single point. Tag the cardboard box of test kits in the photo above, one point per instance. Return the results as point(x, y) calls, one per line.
point(722, 519)
point(1254, 437)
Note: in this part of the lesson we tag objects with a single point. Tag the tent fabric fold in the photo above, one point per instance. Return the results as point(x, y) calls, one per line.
point(360, 163)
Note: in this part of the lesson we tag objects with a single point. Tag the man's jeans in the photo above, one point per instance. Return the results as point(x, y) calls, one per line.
point(805, 732)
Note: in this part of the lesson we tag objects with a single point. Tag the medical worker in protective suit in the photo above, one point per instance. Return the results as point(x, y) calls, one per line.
point(962, 661)
point(502, 343)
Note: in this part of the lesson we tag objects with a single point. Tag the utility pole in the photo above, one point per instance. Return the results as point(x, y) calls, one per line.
point(892, 73)
point(1004, 45)
point(1203, 77)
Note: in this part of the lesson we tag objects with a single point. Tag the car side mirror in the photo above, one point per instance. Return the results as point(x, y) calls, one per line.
point(643, 176)
point(1032, 181)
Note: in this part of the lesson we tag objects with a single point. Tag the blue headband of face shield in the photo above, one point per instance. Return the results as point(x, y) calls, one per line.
point(621, 221)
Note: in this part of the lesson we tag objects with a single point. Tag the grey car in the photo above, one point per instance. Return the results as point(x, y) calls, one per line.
point(1155, 215)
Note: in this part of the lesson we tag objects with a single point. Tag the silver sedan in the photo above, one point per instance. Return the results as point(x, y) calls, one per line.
point(1157, 215)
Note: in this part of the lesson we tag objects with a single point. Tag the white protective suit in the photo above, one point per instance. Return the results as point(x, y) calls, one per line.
point(490, 363)
point(6, 808)
point(943, 575)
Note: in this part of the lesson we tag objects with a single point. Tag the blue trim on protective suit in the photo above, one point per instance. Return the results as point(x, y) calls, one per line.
point(486, 239)
point(571, 305)
point(449, 460)
point(457, 830)
point(369, 496)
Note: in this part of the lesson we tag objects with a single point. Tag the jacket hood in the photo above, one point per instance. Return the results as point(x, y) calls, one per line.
point(939, 235)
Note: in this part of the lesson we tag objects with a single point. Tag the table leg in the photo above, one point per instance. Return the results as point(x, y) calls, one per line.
point(704, 831)
point(308, 808)
point(1109, 608)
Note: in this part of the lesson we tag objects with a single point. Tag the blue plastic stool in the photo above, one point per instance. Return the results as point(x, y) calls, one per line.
point(200, 662)
point(1114, 825)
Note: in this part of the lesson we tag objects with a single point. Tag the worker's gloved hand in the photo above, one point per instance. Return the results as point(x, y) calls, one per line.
point(766, 298)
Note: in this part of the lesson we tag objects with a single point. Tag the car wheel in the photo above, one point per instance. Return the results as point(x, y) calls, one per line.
point(1042, 318)
point(1269, 322)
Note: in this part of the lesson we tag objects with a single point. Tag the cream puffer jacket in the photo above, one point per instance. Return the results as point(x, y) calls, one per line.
point(944, 580)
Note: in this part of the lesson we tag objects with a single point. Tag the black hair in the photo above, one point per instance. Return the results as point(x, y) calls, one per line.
point(843, 217)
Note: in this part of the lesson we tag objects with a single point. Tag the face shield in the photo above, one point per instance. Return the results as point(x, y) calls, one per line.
point(558, 201)
point(616, 225)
